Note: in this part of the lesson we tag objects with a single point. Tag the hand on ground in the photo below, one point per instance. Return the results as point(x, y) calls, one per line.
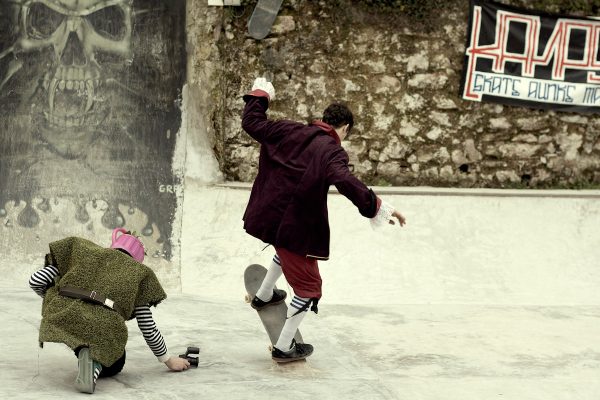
point(177, 363)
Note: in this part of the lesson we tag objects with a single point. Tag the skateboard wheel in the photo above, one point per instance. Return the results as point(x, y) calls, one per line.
point(247, 299)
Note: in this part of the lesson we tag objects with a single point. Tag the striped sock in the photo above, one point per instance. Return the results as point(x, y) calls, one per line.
point(97, 370)
point(292, 322)
point(265, 293)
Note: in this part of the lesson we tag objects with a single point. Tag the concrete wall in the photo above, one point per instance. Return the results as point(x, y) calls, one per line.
point(494, 248)
point(459, 246)
point(91, 100)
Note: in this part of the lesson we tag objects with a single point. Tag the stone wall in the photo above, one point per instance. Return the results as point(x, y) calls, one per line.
point(400, 73)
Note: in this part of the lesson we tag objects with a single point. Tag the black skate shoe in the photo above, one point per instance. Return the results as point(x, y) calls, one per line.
point(278, 298)
point(298, 351)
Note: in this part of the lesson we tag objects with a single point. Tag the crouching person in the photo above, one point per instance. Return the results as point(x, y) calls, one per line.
point(89, 293)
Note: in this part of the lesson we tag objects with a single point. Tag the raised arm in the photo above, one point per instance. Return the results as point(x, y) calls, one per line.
point(155, 341)
point(254, 118)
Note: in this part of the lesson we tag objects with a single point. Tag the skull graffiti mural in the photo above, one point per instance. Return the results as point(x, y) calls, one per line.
point(91, 91)
point(75, 31)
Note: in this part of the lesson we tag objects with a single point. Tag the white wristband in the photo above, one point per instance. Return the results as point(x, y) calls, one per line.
point(383, 216)
point(164, 358)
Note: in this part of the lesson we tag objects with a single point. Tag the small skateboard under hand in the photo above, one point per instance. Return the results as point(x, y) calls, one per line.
point(262, 18)
point(273, 317)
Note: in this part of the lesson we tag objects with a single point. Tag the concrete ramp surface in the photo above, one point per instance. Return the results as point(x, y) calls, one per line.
point(482, 295)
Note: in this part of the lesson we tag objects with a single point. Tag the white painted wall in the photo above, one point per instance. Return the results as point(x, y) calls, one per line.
point(458, 247)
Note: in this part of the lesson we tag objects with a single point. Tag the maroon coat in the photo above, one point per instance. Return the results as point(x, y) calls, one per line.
point(297, 164)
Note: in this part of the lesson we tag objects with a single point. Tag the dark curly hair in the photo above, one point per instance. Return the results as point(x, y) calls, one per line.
point(338, 114)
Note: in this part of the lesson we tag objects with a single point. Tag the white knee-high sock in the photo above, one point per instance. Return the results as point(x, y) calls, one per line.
point(292, 323)
point(265, 293)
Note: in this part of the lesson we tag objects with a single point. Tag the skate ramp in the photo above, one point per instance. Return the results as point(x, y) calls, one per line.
point(458, 247)
point(482, 295)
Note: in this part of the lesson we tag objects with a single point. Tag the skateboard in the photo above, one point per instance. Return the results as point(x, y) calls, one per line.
point(272, 317)
point(262, 18)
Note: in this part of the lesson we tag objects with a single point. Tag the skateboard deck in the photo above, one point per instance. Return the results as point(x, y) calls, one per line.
point(262, 18)
point(272, 317)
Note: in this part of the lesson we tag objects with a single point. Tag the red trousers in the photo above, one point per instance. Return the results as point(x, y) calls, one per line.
point(302, 273)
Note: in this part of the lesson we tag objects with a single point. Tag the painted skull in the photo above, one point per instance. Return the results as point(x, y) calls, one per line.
point(80, 34)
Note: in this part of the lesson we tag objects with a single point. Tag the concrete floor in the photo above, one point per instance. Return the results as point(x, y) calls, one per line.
point(456, 305)
point(361, 352)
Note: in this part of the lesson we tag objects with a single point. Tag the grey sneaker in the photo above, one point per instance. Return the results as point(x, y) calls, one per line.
point(298, 351)
point(88, 372)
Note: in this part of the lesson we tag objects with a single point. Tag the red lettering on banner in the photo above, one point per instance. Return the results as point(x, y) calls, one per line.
point(555, 50)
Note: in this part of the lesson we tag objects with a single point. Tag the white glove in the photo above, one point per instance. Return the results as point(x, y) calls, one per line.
point(263, 84)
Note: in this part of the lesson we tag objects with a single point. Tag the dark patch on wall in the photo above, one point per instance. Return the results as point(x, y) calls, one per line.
point(90, 99)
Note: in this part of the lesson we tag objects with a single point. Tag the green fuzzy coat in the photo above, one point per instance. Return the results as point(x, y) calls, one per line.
point(119, 277)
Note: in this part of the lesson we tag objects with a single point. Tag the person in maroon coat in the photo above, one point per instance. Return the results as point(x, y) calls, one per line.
point(288, 204)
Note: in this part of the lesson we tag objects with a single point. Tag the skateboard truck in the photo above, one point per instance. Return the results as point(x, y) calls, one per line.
point(192, 360)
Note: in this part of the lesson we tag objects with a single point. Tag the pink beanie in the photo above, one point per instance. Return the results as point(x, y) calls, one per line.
point(131, 244)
